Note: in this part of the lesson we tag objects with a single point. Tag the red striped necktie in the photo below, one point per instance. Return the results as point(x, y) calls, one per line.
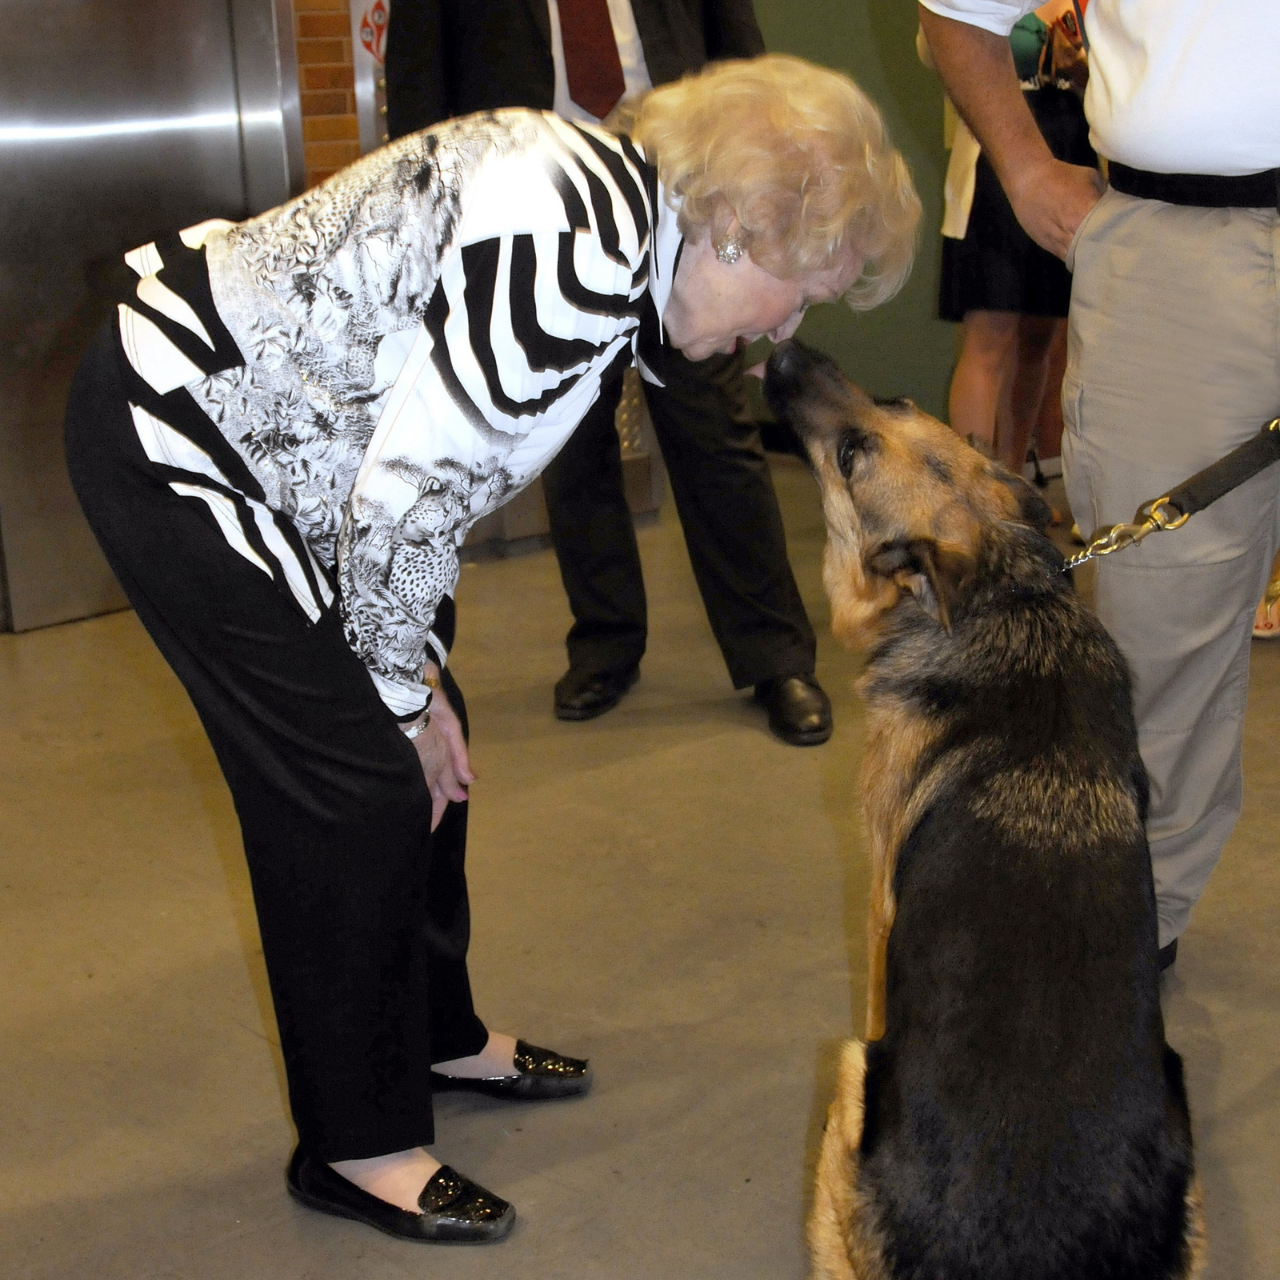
point(591, 61)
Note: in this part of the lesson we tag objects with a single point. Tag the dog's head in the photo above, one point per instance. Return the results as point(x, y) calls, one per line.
point(908, 504)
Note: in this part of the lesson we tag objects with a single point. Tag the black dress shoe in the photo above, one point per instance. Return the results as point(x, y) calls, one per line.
point(583, 695)
point(1167, 955)
point(454, 1209)
point(799, 711)
point(540, 1073)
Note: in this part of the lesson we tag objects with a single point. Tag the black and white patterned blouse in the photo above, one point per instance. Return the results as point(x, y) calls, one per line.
point(394, 354)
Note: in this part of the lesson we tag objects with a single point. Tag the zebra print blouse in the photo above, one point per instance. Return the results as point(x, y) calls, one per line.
point(394, 354)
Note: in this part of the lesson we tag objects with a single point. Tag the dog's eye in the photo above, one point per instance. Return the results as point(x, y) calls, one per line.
point(853, 444)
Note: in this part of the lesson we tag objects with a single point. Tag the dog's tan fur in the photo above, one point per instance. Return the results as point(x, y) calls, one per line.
point(891, 802)
point(840, 1242)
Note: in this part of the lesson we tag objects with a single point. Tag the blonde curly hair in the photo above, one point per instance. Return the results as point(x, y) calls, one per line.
point(798, 154)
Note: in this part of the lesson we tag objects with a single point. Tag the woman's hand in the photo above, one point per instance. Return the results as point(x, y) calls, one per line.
point(442, 751)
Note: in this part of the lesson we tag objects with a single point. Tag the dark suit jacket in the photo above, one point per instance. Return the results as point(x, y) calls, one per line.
point(451, 57)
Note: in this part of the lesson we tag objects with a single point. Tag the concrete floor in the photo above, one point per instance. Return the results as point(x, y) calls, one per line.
point(667, 889)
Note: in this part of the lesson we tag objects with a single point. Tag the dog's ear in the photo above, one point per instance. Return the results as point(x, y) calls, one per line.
point(1032, 508)
point(935, 575)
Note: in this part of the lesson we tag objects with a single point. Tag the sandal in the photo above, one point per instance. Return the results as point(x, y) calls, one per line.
point(1041, 481)
point(1266, 622)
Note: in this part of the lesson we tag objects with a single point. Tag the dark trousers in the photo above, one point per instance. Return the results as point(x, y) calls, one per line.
point(728, 509)
point(363, 912)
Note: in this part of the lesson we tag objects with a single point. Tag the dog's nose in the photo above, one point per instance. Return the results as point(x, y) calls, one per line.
point(787, 361)
point(786, 373)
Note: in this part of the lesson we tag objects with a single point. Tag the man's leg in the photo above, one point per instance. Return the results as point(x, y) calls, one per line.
point(1173, 362)
point(733, 528)
point(595, 545)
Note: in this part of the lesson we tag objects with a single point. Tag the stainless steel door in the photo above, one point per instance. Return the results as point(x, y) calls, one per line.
point(119, 120)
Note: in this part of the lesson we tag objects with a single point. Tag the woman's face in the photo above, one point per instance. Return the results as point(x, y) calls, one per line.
point(717, 308)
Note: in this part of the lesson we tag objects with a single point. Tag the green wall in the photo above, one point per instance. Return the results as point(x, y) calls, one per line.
point(901, 348)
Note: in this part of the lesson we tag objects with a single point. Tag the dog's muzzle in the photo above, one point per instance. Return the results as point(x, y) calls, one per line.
point(789, 374)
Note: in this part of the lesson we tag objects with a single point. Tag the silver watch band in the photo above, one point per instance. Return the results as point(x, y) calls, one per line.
point(415, 729)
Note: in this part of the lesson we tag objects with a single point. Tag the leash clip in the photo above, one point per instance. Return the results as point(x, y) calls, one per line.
point(1154, 516)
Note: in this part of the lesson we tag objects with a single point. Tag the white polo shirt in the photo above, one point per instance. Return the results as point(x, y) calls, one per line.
point(1175, 86)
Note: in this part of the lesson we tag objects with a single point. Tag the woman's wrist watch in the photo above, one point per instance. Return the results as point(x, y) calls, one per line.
point(417, 727)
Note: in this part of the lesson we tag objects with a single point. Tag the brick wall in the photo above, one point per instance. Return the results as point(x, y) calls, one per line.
point(330, 132)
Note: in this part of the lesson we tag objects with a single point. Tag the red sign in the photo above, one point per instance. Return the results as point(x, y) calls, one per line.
point(373, 31)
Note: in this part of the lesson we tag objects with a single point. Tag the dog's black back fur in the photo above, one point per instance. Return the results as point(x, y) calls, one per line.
point(1024, 1118)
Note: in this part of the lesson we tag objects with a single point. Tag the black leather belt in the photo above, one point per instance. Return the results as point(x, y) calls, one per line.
point(1205, 190)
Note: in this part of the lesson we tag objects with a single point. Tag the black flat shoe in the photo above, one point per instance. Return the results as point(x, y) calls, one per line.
point(454, 1209)
point(583, 695)
point(540, 1073)
point(799, 711)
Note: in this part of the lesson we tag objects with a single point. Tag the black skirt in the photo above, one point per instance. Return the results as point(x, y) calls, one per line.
point(997, 266)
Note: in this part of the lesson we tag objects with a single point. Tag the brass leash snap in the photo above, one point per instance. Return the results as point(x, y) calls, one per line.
point(1152, 516)
point(1159, 512)
point(1108, 541)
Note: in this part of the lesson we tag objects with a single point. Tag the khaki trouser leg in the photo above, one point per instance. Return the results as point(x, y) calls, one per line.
point(1174, 359)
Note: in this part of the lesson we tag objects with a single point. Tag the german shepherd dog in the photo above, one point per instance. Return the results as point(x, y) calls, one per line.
point(1016, 1113)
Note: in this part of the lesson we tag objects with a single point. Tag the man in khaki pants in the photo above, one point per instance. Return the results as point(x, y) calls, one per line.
point(1174, 356)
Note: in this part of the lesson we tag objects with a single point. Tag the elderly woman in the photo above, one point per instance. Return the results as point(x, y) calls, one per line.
point(281, 443)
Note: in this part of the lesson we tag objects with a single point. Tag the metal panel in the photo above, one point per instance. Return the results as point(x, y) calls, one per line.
point(119, 120)
point(270, 107)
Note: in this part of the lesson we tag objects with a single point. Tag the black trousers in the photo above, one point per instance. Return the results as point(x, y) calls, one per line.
point(728, 509)
point(363, 912)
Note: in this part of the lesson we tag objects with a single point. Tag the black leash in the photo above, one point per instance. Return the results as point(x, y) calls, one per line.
point(1180, 504)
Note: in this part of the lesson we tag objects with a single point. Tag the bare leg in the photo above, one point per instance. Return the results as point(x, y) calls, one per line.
point(1266, 621)
point(397, 1178)
point(986, 358)
point(497, 1058)
point(1048, 430)
point(1020, 408)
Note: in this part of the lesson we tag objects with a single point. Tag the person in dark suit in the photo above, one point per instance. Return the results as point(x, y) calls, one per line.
point(453, 57)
